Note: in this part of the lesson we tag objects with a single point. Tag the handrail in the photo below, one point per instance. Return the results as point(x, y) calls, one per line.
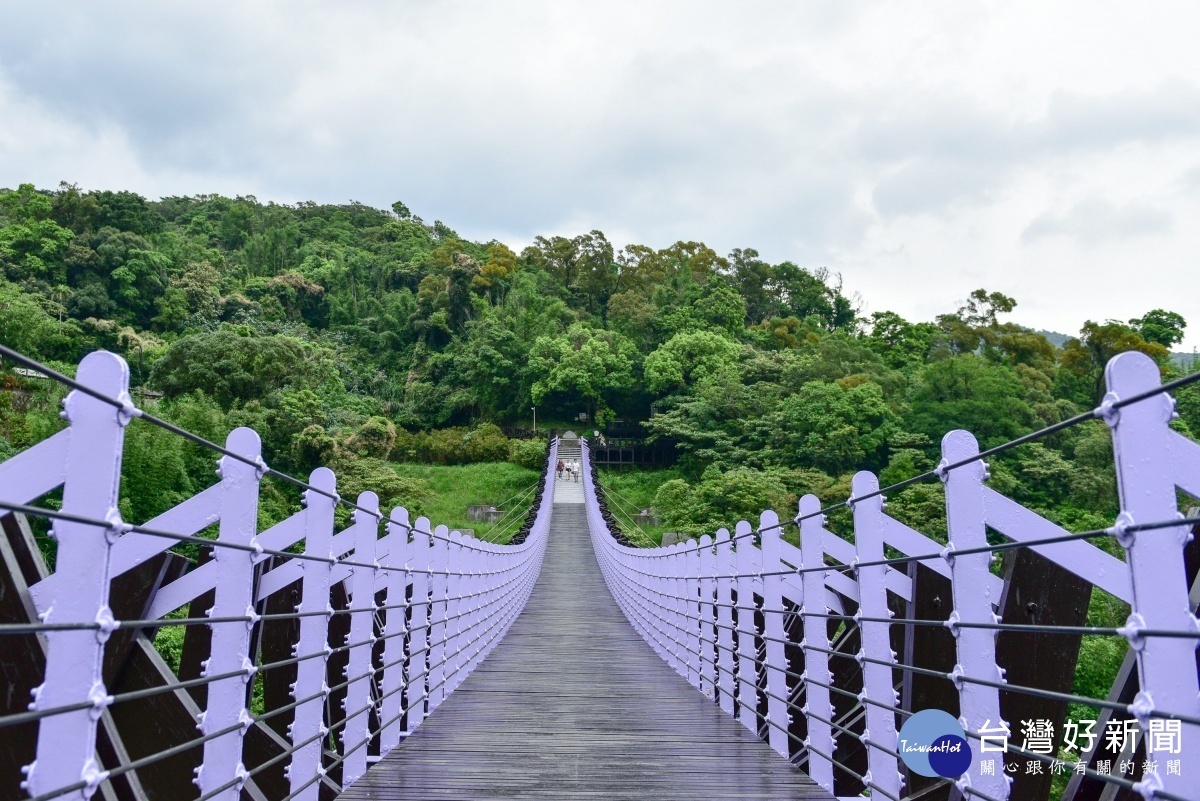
point(425, 604)
point(732, 612)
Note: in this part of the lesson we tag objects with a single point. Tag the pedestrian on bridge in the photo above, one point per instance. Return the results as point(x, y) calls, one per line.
point(560, 468)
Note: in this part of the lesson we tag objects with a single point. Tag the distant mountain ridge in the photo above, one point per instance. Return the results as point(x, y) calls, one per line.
point(1056, 339)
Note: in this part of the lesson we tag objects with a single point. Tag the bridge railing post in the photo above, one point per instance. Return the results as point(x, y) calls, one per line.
point(708, 619)
point(454, 623)
point(234, 597)
point(67, 741)
point(678, 599)
point(747, 630)
point(876, 648)
point(691, 611)
point(357, 701)
point(1148, 458)
point(308, 729)
point(391, 684)
point(478, 562)
point(419, 641)
point(439, 566)
point(979, 705)
point(820, 739)
point(773, 635)
point(724, 569)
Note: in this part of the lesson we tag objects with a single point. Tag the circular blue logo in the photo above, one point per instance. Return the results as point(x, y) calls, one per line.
point(932, 743)
point(950, 756)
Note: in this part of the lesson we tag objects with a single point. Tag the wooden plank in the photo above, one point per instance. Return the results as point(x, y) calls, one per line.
point(1038, 591)
point(847, 675)
point(275, 645)
point(793, 627)
point(22, 667)
point(197, 639)
point(573, 704)
point(932, 648)
point(22, 662)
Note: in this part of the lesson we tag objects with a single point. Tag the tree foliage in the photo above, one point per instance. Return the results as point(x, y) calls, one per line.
point(357, 336)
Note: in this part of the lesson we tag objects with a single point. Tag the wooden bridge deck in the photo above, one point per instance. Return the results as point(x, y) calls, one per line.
point(573, 705)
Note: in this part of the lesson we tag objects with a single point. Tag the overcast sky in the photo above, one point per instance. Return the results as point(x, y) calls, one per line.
point(1050, 151)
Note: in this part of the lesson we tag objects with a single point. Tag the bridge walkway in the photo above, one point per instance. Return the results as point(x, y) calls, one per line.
point(574, 705)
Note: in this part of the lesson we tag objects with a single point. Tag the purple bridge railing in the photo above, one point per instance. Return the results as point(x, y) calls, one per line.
point(387, 625)
point(824, 648)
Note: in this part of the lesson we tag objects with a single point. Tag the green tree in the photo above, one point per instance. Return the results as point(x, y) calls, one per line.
point(1162, 327)
point(583, 363)
point(713, 305)
point(128, 211)
point(688, 357)
point(1086, 355)
point(32, 244)
point(834, 427)
point(27, 325)
point(490, 365)
point(970, 393)
point(901, 344)
point(230, 366)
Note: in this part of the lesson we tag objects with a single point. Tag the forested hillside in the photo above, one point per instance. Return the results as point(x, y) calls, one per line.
point(354, 336)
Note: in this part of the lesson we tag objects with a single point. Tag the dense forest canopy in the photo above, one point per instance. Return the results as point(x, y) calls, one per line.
point(363, 335)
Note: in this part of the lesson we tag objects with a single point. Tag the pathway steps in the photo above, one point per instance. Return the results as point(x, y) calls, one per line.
point(568, 490)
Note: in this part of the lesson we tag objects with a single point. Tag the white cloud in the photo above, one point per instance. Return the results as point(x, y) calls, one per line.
point(1095, 221)
point(922, 151)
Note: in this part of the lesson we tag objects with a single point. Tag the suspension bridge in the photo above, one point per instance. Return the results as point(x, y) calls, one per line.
point(390, 658)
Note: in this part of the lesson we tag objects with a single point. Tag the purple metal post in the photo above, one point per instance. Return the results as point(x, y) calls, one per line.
point(357, 702)
point(747, 631)
point(816, 662)
point(773, 635)
point(667, 591)
point(397, 579)
point(438, 566)
point(979, 705)
point(418, 637)
point(708, 618)
point(308, 727)
point(677, 570)
point(67, 741)
point(691, 611)
point(234, 597)
point(724, 568)
point(455, 560)
point(878, 684)
point(1142, 447)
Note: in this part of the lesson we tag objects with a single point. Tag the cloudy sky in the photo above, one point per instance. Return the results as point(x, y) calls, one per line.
point(1050, 151)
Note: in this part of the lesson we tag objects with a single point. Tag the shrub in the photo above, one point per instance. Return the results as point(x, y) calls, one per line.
point(529, 453)
point(740, 494)
point(719, 499)
point(673, 501)
point(486, 444)
point(359, 474)
point(458, 445)
point(376, 438)
point(313, 447)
